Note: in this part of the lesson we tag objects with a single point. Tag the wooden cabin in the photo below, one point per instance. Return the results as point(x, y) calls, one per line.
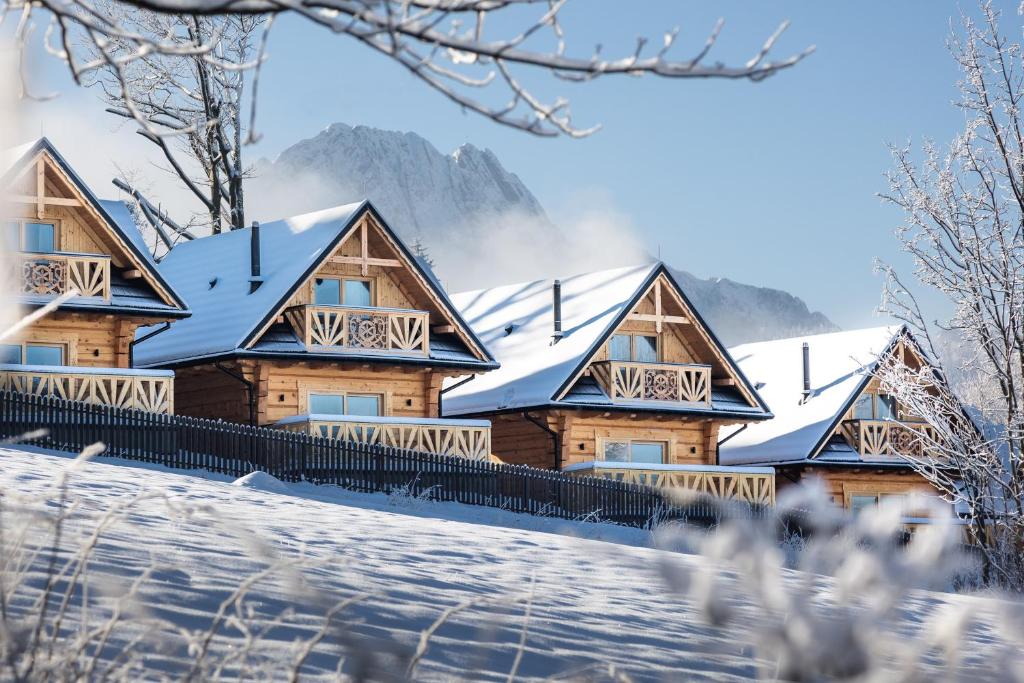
point(59, 237)
point(323, 323)
point(612, 374)
point(832, 419)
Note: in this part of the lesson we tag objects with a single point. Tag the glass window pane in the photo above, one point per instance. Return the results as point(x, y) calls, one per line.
point(36, 354)
point(645, 349)
point(327, 292)
point(357, 293)
point(885, 407)
point(326, 404)
point(616, 451)
point(12, 236)
point(653, 453)
point(39, 237)
point(10, 353)
point(363, 405)
point(618, 347)
point(858, 503)
point(862, 408)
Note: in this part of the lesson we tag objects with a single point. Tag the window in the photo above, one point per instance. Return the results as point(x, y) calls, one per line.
point(336, 292)
point(358, 293)
point(648, 452)
point(362, 405)
point(862, 502)
point(345, 404)
point(327, 292)
point(39, 237)
point(875, 407)
point(641, 348)
point(12, 236)
point(10, 353)
point(619, 347)
point(44, 354)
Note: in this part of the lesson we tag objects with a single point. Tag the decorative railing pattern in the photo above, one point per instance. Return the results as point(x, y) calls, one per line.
point(140, 391)
point(53, 274)
point(675, 382)
point(888, 438)
point(470, 440)
point(749, 485)
point(378, 329)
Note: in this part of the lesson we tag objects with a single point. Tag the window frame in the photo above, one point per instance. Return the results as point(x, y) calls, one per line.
point(665, 449)
point(341, 280)
point(65, 349)
point(22, 222)
point(633, 346)
point(382, 400)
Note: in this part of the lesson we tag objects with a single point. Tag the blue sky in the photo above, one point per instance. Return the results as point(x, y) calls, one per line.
point(771, 183)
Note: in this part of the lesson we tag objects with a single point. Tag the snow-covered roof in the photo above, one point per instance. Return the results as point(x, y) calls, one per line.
point(515, 322)
point(119, 221)
point(214, 275)
point(840, 363)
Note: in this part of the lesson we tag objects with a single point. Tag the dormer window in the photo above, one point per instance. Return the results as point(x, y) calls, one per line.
point(343, 292)
point(31, 236)
point(640, 348)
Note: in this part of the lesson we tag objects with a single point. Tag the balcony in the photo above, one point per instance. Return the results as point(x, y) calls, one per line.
point(470, 439)
point(669, 382)
point(888, 438)
point(390, 330)
point(149, 390)
point(745, 484)
point(52, 274)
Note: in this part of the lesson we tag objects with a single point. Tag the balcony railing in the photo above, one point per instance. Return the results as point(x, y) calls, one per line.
point(470, 439)
point(149, 390)
point(374, 329)
point(53, 274)
point(676, 382)
point(888, 438)
point(746, 484)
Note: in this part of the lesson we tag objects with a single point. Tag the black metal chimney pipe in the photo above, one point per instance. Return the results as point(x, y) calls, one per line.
point(556, 294)
point(255, 279)
point(807, 372)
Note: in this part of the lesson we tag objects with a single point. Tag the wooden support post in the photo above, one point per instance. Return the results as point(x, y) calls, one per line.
point(657, 306)
point(365, 249)
point(40, 187)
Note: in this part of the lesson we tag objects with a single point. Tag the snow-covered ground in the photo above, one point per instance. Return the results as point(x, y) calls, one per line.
point(546, 598)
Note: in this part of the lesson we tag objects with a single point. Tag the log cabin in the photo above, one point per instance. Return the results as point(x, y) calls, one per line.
point(833, 420)
point(324, 323)
point(611, 374)
point(58, 237)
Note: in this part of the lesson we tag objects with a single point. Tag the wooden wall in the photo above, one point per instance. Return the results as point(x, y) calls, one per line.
point(283, 387)
point(840, 483)
point(98, 340)
point(517, 440)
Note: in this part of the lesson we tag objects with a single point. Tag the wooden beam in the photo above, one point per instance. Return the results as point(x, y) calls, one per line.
point(133, 274)
point(40, 186)
point(52, 201)
point(724, 382)
point(365, 247)
point(443, 329)
point(383, 262)
point(657, 307)
point(649, 317)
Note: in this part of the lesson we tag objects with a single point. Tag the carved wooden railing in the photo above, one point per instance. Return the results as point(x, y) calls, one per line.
point(52, 274)
point(469, 439)
point(377, 329)
point(150, 391)
point(632, 381)
point(888, 438)
point(747, 484)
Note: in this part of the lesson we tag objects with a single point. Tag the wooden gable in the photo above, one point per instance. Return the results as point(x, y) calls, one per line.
point(662, 311)
point(43, 191)
point(369, 252)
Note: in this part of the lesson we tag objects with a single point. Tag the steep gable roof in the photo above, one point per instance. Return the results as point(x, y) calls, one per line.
point(842, 364)
point(515, 321)
point(228, 319)
point(115, 217)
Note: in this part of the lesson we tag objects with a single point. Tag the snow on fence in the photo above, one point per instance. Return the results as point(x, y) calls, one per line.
point(183, 442)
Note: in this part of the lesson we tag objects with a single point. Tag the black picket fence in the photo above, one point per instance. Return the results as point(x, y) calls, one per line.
point(182, 442)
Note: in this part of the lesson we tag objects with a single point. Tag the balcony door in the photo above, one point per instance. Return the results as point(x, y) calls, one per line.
point(343, 292)
point(639, 348)
point(31, 236)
